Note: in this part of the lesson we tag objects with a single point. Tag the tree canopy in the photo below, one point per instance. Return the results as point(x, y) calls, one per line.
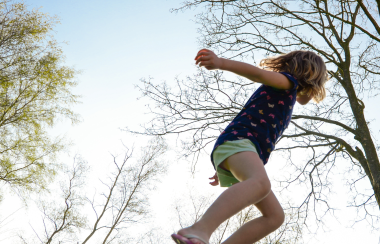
point(35, 91)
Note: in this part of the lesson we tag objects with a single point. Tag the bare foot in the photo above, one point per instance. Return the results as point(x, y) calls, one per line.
point(193, 231)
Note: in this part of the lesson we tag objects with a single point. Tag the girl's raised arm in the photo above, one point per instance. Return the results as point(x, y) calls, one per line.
point(210, 61)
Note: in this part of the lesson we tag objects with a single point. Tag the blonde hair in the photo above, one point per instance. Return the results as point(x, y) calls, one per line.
point(306, 66)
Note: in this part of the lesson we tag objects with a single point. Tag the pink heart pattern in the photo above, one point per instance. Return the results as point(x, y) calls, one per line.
point(267, 112)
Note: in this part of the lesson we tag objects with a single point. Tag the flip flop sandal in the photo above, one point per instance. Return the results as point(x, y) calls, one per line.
point(180, 239)
point(185, 239)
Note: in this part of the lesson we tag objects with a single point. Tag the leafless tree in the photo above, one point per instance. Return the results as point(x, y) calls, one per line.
point(63, 219)
point(345, 33)
point(153, 236)
point(124, 201)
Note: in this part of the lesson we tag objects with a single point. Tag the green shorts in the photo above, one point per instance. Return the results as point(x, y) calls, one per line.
point(222, 152)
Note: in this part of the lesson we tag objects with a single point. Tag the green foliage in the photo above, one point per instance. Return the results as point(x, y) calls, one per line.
point(35, 91)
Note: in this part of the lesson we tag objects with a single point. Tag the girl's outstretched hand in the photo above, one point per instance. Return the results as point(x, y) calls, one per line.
point(216, 180)
point(208, 59)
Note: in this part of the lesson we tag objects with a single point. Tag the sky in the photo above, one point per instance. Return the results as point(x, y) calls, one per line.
point(114, 44)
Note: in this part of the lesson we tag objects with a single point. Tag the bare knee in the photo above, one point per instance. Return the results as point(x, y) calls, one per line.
point(262, 185)
point(280, 217)
point(266, 186)
point(259, 187)
point(276, 218)
point(272, 211)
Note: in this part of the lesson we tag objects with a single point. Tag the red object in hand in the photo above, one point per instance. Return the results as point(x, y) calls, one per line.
point(200, 55)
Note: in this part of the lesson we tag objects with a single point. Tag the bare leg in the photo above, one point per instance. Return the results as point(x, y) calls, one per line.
point(253, 187)
point(254, 230)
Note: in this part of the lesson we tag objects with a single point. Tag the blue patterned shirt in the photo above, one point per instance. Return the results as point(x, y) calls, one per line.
point(263, 119)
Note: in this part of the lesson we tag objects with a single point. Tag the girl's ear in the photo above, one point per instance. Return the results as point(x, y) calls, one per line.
point(303, 99)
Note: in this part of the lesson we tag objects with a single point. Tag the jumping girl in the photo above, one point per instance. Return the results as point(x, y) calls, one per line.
point(243, 148)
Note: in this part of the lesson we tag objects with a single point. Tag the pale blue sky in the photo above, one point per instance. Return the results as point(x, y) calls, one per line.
point(114, 44)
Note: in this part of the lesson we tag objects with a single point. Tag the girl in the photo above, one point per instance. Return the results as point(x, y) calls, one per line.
point(243, 148)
